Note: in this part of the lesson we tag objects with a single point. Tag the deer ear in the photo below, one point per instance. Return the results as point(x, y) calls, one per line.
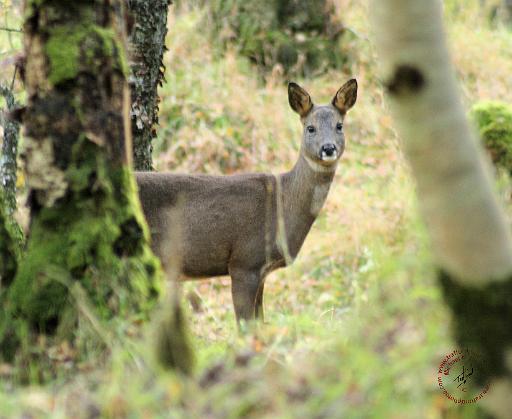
point(299, 99)
point(346, 97)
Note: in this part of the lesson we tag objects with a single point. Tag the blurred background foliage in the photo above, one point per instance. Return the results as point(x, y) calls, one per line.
point(295, 37)
point(494, 123)
point(356, 327)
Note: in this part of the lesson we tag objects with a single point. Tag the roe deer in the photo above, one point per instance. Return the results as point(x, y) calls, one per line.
point(248, 225)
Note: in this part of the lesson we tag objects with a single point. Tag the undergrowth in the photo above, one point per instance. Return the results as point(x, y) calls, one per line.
point(356, 327)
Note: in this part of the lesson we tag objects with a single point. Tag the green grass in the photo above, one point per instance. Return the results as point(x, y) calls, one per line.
point(356, 327)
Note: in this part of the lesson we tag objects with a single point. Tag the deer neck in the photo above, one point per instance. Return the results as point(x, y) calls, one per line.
point(304, 191)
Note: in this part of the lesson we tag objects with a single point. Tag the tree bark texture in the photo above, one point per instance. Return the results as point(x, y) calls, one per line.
point(11, 236)
point(468, 229)
point(8, 166)
point(10, 246)
point(147, 46)
point(87, 233)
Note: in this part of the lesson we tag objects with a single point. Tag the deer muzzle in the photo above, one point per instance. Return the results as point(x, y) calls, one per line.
point(329, 152)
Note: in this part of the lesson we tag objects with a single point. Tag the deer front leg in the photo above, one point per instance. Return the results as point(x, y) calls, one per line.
point(259, 302)
point(244, 288)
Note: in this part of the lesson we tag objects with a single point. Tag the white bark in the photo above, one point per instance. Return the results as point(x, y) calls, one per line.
point(468, 229)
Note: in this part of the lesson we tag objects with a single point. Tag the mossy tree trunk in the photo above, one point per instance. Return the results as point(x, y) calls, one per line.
point(147, 46)
point(8, 164)
point(10, 246)
point(469, 232)
point(11, 236)
point(88, 238)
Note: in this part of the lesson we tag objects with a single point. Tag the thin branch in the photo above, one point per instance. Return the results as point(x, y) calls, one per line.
point(6, 29)
point(14, 77)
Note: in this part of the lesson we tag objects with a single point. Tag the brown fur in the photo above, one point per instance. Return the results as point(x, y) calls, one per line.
point(230, 224)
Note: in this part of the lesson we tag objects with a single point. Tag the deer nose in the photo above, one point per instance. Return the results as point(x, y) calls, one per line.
point(328, 150)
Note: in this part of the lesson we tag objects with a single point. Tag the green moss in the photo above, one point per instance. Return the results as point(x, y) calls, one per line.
point(63, 51)
point(494, 123)
point(110, 42)
point(88, 262)
point(11, 240)
point(88, 237)
point(74, 48)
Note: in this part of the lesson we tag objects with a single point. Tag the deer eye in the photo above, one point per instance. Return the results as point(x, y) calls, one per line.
point(339, 126)
point(311, 129)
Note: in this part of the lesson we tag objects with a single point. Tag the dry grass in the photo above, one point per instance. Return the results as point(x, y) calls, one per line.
point(356, 327)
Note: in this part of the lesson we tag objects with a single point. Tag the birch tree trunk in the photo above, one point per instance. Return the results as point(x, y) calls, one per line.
point(147, 47)
point(88, 241)
point(468, 229)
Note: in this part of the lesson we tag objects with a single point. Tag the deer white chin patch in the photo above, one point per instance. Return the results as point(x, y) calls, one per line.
point(319, 167)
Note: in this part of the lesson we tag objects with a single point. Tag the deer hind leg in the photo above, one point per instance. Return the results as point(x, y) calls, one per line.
point(244, 288)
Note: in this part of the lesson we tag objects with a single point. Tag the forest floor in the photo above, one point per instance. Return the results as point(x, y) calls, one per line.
point(356, 327)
